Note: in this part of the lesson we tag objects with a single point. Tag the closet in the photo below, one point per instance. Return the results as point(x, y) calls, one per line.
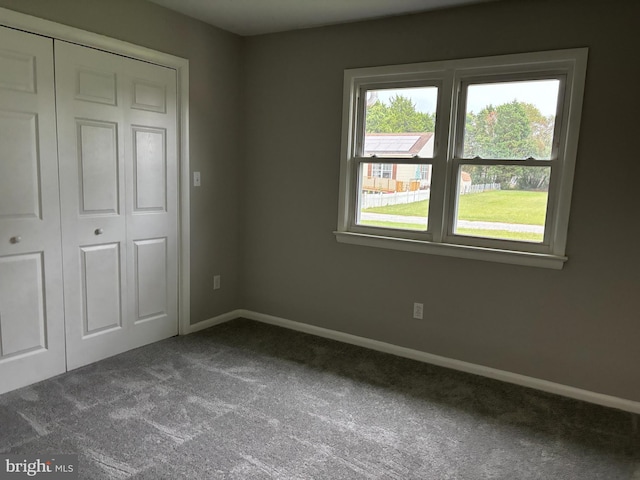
point(88, 206)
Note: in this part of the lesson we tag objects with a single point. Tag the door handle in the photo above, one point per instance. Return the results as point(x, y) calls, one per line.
point(99, 231)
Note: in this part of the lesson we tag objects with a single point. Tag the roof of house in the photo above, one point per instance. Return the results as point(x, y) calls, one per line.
point(395, 143)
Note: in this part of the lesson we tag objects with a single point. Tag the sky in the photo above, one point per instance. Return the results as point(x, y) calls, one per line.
point(542, 93)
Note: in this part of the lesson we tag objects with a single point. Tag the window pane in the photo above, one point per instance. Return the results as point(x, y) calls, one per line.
point(511, 120)
point(505, 202)
point(394, 195)
point(400, 122)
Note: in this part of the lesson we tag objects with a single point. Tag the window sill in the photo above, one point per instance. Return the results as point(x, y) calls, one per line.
point(451, 250)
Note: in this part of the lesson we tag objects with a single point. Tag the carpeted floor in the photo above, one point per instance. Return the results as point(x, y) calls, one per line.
point(249, 401)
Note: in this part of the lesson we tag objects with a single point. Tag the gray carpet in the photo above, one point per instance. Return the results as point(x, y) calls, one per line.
point(250, 401)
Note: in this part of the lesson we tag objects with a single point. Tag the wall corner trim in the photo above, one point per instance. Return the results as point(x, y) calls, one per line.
point(489, 372)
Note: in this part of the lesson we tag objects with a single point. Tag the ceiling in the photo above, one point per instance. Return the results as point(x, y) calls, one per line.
point(255, 17)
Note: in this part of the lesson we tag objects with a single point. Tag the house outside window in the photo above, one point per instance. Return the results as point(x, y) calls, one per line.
point(471, 158)
point(381, 170)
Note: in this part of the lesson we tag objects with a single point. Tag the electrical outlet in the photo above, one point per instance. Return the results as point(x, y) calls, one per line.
point(418, 311)
point(216, 282)
point(196, 179)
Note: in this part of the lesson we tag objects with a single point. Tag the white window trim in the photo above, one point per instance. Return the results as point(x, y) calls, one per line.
point(449, 75)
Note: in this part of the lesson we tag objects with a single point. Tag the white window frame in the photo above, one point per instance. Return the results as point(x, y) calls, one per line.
point(379, 169)
point(451, 77)
point(425, 172)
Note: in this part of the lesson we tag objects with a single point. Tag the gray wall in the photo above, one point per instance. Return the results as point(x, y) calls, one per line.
point(215, 61)
point(265, 214)
point(579, 326)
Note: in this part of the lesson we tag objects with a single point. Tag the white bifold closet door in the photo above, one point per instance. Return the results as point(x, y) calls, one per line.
point(117, 149)
point(31, 306)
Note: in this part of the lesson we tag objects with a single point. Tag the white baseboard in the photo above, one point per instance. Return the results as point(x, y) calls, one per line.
point(225, 317)
point(502, 375)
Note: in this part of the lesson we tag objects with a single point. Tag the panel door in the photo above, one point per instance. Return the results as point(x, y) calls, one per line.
point(118, 179)
point(31, 298)
point(151, 200)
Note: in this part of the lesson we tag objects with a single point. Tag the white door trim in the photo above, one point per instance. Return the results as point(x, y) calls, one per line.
point(31, 24)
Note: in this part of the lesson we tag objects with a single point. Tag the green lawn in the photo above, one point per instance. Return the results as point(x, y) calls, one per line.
point(475, 232)
point(506, 206)
point(418, 209)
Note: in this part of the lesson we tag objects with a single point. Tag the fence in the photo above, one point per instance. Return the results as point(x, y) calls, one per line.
point(479, 188)
point(379, 199)
point(371, 199)
point(388, 185)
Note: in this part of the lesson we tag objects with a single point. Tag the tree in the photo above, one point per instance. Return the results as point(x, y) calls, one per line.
point(400, 116)
point(541, 130)
point(500, 132)
point(514, 130)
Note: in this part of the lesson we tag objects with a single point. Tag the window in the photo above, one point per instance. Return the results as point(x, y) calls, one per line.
point(470, 158)
point(381, 170)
